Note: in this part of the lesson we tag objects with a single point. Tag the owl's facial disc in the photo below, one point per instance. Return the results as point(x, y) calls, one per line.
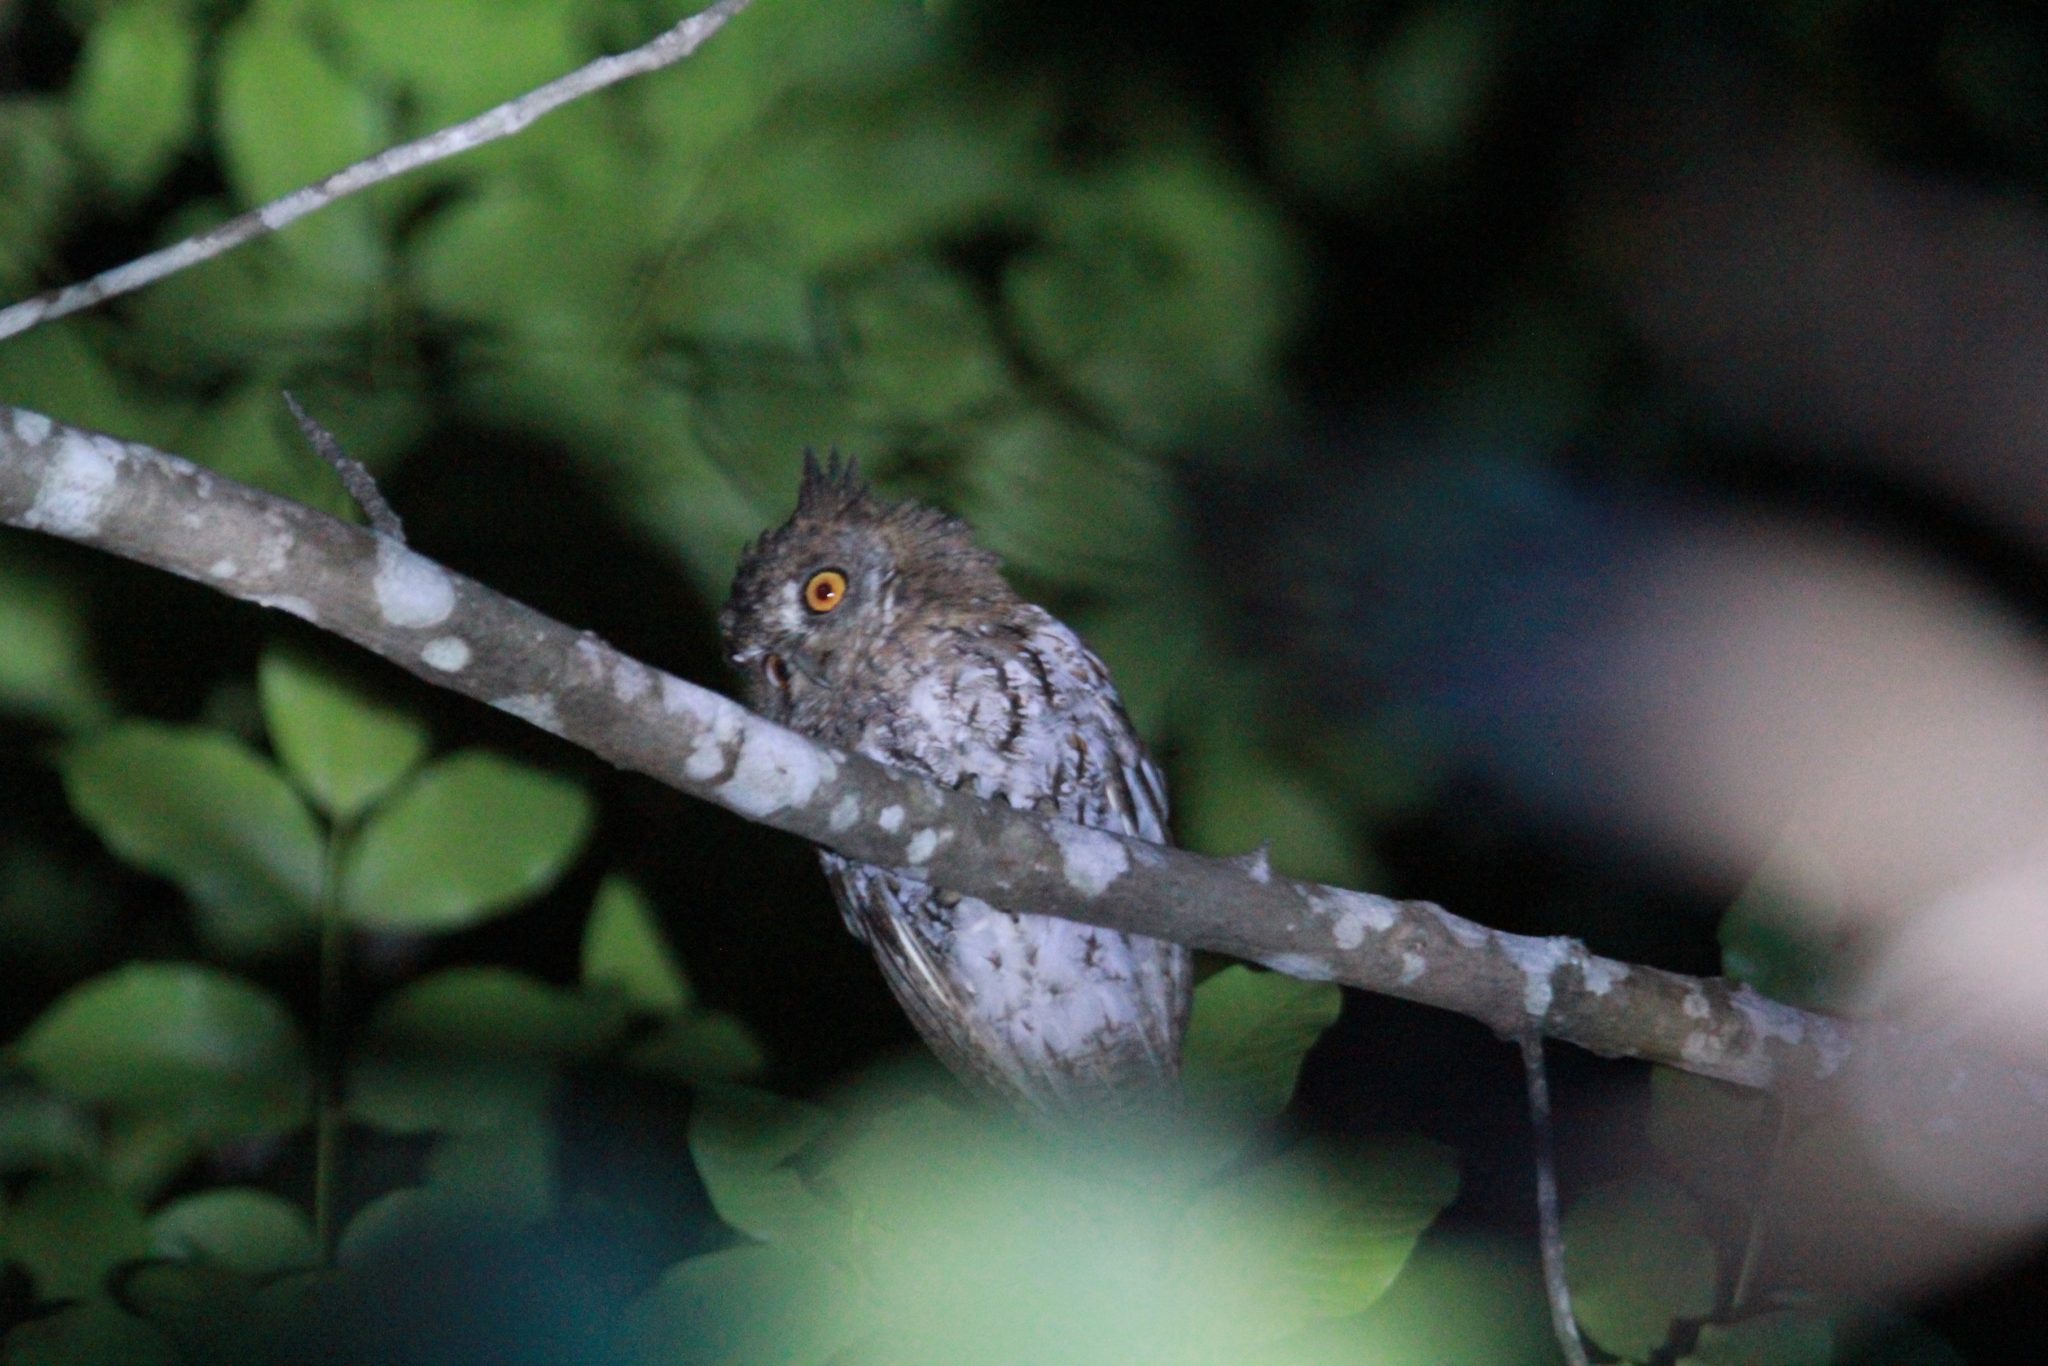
point(805, 638)
point(810, 604)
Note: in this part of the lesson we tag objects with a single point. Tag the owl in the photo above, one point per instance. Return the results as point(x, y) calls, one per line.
point(881, 628)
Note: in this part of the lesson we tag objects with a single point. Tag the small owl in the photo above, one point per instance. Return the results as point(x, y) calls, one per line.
point(881, 628)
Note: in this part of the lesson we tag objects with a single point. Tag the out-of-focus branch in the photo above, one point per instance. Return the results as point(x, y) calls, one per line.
point(500, 121)
point(144, 505)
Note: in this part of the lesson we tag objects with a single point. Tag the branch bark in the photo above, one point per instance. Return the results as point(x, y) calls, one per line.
point(158, 509)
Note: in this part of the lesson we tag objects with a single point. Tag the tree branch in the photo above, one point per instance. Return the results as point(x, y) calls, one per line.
point(158, 509)
point(500, 121)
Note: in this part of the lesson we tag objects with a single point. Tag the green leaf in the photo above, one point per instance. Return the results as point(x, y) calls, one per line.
point(204, 811)
point(742, 1141)
point(1235, 794)
point(46, 671)
point(506, 49)
point(40, 173)
point(345, 748)
point(839, 179)
point(239, 326)
point(1784, 1339)
point(286, 118)
point(90, 1333)
point(135, 96)
point(1318, 1233)
point(490, 1012)
point(42, 1132)
point(1247, 1037)
point(508, 1171)
point(493, 259)
point(1718, 1134)
point(702, 1045)
point(70, 1231)
point(1162, 291)
point(1638, 1258)
point(248, 1231)
point(64, 372)
point(1054, 498)
point(416, 1094)
point(1350, 124)
point(1153, 646)
point(623, 950)
point(143, 1150)
point(471, 835)
point(1767, 937)
point(920, 344)
point(728, 292)
point(965, 1225)
point(1430, 79)
point(471, 1050)
point(218, 1054)
point(1426, 1318)
point(203, 1307)
point(745, 74)
point(396, 1228)
point(746, 1305)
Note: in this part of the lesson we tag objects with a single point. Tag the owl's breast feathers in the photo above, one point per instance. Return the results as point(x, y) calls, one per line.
point(1048, 1014)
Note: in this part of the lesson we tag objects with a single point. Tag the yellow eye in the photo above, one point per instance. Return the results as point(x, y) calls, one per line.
point(825, 590)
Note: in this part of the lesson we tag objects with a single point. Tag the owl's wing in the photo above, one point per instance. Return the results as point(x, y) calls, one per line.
point(1051, 1014)
point(1108, 781)
point(898, 920)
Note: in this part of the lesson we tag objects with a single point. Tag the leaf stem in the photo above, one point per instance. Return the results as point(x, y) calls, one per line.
point(331, 1052)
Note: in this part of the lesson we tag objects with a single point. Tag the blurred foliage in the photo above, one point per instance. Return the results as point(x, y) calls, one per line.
point(895, 1226)
point(1773, 939)
point(1650, 1284)
point(1043, 265)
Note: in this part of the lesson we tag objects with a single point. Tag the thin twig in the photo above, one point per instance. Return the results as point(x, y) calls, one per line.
point(1550, 1228)
point(360, 483)
point(502, 121)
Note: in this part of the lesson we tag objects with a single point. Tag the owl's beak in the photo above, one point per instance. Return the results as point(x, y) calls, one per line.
point(803, 666)
point(777, 666)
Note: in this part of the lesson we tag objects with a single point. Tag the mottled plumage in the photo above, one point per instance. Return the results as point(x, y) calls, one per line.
point(881, 628)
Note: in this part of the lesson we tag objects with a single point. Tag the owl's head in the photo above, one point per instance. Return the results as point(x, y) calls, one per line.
point(815, 597)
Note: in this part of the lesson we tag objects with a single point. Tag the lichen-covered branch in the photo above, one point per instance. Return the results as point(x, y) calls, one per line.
point(144, 505)
point(500, 121)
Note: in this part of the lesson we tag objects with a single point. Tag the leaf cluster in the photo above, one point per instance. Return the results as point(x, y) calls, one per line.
point(126, 1098)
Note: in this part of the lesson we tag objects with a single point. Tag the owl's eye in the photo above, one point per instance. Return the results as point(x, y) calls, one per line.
point(824, 590)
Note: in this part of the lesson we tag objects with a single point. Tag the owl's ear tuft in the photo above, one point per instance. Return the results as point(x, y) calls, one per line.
point(831, 487)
